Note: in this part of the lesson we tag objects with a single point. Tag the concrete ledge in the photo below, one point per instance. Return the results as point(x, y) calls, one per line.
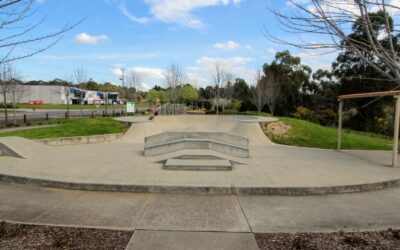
point(174, 146)
point(223, 137)
point(80, 139)
point(283, 191)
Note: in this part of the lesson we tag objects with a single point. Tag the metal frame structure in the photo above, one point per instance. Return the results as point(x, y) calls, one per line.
point(396, 95)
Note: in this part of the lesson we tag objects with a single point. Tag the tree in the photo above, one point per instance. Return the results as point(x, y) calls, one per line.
point(81, 78)
point(333, 18)
point(133, 81)
point(294, 79)
point(272, 90)
point(154, 96)
point(6, 86)
point(258, 91)
point(220, 78)
point(188, 94)
point(17, 26)
point(174, 79)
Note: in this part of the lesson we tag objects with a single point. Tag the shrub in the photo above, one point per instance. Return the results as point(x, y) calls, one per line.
point(237, 104)
point(323, 116)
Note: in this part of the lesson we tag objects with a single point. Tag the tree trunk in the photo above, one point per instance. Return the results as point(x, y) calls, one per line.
point(14, 113)
point(5, 108)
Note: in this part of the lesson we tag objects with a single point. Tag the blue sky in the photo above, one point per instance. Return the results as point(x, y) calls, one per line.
point(145, 36)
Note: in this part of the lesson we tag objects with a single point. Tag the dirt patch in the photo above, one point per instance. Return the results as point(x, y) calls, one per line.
point(389, 239)
point(278, 128)
point(19, 236)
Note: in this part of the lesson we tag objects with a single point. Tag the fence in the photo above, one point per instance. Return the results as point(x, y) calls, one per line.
point(173, 109)
point(37, 116)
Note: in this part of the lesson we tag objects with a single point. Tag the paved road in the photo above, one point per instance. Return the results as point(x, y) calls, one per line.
point(56, 114)
point(184, 221)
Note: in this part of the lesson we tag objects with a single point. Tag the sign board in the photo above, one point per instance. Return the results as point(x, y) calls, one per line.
point(130, 107)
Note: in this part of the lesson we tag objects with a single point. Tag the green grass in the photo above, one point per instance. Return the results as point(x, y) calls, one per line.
point(307, 134)
point(71, 128)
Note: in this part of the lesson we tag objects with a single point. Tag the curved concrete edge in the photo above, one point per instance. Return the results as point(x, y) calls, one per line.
point(63, 141)
point(259, 119)
point(281, 191)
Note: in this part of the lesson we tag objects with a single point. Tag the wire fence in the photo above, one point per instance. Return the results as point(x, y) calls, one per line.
point(29, 118)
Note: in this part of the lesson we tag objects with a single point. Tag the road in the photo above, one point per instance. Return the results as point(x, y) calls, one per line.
point(40, 114)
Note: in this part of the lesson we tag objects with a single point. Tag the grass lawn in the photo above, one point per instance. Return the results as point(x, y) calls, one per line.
point(73, 127)
point(307, 134)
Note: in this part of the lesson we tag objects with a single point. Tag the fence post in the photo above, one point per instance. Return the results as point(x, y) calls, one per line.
point(66, 115)
point(47, 116)
point(24, 118)
point(113, 113)
point(92, 114)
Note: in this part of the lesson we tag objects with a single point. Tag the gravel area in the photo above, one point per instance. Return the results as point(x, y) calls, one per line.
point(389, 239)
point(19, 236)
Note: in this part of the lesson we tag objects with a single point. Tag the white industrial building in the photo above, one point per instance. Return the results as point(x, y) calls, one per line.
point(58, 95)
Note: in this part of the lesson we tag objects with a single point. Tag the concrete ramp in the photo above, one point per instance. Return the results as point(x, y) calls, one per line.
point(6, 151)
point(25, 148)
point(251, 129)
point(217, 141)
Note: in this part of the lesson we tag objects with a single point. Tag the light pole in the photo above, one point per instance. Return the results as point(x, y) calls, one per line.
point(123, 84)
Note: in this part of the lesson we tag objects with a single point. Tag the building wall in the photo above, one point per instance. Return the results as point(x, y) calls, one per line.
point(47, 94)
point(57, 95)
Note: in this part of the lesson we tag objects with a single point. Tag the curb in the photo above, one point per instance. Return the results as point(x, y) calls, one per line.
point(80, 139)
point(282, 191)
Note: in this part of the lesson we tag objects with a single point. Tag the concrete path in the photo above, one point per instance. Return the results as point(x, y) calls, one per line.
point(199, 221)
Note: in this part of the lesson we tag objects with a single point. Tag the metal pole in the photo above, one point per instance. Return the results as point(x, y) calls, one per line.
point(339, 146)
point(396, 132)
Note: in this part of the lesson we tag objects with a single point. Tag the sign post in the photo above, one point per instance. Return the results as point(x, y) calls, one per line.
point(130, 107)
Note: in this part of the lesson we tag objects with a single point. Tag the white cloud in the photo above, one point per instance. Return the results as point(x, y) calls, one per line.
point(393, 7)
point(317, 60)
point(146, 74)
point(271, 51)
point(229, 45)
point(179, 11)
point(235, 65)
point(88, 39)
point(249, 47)
point(133, 18)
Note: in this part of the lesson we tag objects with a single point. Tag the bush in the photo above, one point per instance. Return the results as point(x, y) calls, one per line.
point(9, 106)
point(323, 116)
point(237, 104)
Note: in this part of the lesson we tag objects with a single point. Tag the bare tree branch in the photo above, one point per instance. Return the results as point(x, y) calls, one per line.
point(334, 19)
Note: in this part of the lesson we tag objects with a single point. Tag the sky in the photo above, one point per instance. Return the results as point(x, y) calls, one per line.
point(146, 36)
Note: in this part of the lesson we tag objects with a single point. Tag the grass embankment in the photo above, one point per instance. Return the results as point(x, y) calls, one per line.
point(307, 134)
point(71, 128)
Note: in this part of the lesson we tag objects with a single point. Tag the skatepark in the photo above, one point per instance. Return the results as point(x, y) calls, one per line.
point(203, 160)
